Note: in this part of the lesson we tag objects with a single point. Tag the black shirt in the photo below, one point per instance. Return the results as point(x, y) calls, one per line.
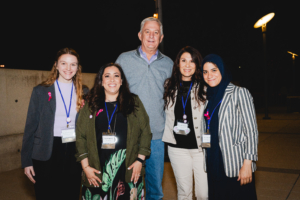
point(184, 141)
point(120, 129)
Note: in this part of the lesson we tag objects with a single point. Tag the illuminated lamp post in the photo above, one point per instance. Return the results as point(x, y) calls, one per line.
point(158, 15)
point(262, 22)
point(294, 72)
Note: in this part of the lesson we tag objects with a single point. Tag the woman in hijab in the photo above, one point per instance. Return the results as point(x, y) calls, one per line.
point(231, 135)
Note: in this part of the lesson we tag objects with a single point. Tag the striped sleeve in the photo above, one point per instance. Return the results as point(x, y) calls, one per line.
point(249, 124)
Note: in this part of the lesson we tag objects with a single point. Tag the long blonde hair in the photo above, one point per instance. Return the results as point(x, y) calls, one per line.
point(77, 78)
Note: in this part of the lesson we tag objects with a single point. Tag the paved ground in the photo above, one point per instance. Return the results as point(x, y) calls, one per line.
point(277, 177)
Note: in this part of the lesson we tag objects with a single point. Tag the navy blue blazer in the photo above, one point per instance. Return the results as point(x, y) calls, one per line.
point(38, 133)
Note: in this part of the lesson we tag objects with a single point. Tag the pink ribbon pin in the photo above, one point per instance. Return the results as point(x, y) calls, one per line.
point(50, 97)
point(99, 112)
point(207, 115)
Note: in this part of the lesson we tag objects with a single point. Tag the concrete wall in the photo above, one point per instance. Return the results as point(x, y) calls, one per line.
point(15, 90)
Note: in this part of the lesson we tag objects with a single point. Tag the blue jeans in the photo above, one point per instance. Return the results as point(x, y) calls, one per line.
point(155, 170)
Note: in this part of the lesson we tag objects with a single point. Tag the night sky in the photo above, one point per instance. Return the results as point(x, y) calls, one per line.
point(32, 33)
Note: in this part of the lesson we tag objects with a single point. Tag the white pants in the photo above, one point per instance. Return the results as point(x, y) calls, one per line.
point(185, 164)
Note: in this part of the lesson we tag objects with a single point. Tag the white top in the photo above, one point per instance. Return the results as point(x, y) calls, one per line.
point(60, 120)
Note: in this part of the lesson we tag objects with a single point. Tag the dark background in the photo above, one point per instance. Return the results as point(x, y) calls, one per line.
point(32, 33)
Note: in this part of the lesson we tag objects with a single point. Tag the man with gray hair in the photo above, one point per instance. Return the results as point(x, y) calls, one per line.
point(146, 70)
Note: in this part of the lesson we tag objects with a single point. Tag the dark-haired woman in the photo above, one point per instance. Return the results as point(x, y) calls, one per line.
point(184, 106)
point(49, 138)
point(231, 123)
point(113, 138)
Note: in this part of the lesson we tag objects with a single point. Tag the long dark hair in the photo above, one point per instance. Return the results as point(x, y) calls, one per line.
point(96, 96)
point(173, 83)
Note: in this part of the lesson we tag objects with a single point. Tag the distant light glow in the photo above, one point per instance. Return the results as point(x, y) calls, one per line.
point(293, 54)
point(240, 67)
point(2, 65)
point(155, 15)
point(264, 20)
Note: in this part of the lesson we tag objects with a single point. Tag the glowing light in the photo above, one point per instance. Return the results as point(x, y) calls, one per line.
point(264, 20)
point(293, 54)
point(155, 15)
point(2, 65)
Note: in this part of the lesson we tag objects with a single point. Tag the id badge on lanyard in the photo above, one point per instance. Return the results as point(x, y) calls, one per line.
point(182, 128)
point(109, 138)
point(206, 137)
point(68, 134)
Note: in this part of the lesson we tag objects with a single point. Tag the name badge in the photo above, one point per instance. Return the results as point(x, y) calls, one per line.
point(68, 135)
point(109, 140)
point(206, 140)
point(182, 128)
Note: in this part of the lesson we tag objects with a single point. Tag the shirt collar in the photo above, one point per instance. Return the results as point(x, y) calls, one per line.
point(144, 56)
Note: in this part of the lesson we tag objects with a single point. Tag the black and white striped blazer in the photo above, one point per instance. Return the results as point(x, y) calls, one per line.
point(238, 134)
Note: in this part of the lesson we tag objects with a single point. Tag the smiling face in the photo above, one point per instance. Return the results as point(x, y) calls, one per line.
point(187, 66)
point(211, 74)
point(111, 81)
point(67, 66)
point(150, 36)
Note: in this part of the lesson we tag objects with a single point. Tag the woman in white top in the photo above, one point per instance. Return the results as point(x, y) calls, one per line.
point(184, 105)
point(49, 137)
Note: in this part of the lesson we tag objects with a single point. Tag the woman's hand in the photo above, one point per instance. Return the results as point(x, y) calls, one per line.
point(137, 167)
point(245, 174)
point(29, 172)
point(91, 177)
point(90, 173)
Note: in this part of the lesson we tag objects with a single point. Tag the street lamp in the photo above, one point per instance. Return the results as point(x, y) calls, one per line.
point(293, 54)
point(158, 14)
point(262, 22)
point(294, 72)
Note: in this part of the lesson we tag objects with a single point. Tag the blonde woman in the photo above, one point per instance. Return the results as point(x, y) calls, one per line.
point(49, 137)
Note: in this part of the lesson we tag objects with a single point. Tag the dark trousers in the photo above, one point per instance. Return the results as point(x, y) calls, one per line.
point(60, 176)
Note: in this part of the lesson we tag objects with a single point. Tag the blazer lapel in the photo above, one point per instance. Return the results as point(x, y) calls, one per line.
point(224, 104)
point(194, 103)
point(172, 107)
point(52, 102)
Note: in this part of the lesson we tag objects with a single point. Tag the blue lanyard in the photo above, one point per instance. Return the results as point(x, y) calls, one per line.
point(208, 121)
point(67, 112)
point(111, 114)
point(184, 103)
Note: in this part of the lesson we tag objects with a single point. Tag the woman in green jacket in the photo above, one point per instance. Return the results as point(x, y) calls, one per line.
point(113, 138)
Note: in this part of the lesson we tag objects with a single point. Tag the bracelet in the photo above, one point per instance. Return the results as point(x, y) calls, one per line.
point(140, 160)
